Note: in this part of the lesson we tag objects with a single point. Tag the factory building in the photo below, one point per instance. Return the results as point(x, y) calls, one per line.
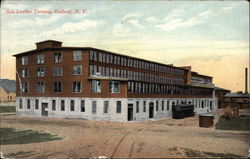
point(239, 99)
point(90, 83)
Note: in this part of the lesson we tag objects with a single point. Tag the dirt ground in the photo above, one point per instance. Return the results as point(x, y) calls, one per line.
point(165, 138)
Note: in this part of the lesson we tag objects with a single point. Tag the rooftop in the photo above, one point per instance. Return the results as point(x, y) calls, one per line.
point(8, 85)
point(197, 74)
point(48, 41)
point(90, 48)
point(238, 94)
point(220, 89)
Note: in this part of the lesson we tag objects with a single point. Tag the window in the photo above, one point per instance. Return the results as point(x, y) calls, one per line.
point(111, 58)
point(82, 106)
point(93, 107)
point(28, 103)
point(24, 72)
point(57, 57)
point(162, 105)
point(211, 105)
point(96, 86)
point(114, 86)
point(118, 60)
point(62, 105)
point(115, 59)
point(100, 57)
point(91, 70)
point(53, 104)
point(57, 87)
point(25, 60)
point(157, 105)
point(77, 87)
point(40, 59)
point(37, 104)
point(72, 105)
point(40, 72)
point(95, 56)
point(104, 57)
point(167, 105)
point(20, 104)
point(107, 58)
point(58, 71)
point(137, 107)
point(25, 87)
point(77, 70)
point(118, 106)
point(77, 55)
point(91, 56)
point(106, 106)
point(40, 87)
point(144, 106)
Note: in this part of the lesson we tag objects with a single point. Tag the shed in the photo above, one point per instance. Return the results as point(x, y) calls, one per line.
point(206, 120)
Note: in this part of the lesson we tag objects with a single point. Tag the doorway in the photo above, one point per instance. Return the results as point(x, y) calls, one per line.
point(44, 109)
point(151, 110)
point(130, 112)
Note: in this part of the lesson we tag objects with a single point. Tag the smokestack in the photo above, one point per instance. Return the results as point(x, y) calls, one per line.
point(246, 80)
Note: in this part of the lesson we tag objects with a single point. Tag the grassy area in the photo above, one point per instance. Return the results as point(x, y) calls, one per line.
point(7, 109)
point(204, 154)
point(11, 136)
point(242, 123)
point(8, 114)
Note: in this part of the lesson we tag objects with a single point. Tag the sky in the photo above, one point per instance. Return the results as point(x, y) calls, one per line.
point(210, 36)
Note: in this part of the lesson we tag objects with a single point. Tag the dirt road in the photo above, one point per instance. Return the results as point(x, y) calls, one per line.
point(166, 138)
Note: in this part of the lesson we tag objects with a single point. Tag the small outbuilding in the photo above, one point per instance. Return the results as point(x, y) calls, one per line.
point(206, 120)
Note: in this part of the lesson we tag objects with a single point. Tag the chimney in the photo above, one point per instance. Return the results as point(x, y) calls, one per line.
point(246, 80)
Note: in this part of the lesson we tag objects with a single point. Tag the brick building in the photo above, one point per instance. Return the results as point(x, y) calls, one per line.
point(6, 96)
point(7, 90)
point(238, 100)
point(85, 82)
point(219, 94)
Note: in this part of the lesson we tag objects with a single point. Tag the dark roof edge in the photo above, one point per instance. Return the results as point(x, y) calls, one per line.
point(44, 49)
point(219, 88)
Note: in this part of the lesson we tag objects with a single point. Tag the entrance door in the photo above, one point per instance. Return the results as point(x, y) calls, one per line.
point(130, 112)
point(211, 105)
point(44, 109)
point(151, 110)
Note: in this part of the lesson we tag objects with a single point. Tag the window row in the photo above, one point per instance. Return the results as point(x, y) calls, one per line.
point(152, 88)
point(132, 62)
point(57, 87)
point(114, 87)
point(77, 56)
point(164, 104)
point(55, 104)
point(133, 75)
point(201, 80)
point(57, 71)
point(203, 104)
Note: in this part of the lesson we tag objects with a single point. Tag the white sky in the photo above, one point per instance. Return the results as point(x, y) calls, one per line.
point(211, 36)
